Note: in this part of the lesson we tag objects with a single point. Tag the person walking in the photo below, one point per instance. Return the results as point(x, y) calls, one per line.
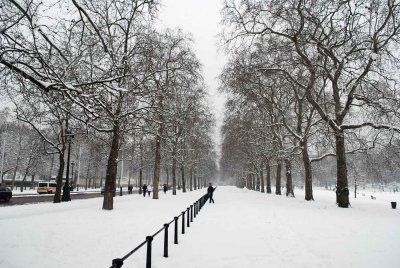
point(165, 188)
point(130, 187)
point(210, 191)
point(144, 188)
point(149, 189)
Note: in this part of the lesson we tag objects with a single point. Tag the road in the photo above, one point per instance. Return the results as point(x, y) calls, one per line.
point(22, 199)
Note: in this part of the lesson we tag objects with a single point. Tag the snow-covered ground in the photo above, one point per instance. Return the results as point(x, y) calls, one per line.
point(242, 229)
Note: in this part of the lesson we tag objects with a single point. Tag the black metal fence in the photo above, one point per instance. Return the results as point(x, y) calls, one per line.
point(187, 217)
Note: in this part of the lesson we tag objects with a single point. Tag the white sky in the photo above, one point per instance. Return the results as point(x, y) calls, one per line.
point(200, 18)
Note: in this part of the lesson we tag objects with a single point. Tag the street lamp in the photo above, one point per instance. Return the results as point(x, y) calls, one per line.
point(3, 154)
point(72, 176)
point(66, 189)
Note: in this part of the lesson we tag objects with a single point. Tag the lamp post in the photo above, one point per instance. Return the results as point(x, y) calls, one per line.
point(3, 153)
point(72, 174)
point(79, 168)
point(66, 189)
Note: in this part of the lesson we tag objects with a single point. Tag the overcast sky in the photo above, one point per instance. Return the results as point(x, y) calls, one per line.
point(200, 18)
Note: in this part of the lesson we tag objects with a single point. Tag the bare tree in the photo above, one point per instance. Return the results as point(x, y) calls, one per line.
point(346, 42)
point(172, 52)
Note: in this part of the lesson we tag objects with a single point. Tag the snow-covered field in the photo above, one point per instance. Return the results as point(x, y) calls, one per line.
point(242, 229)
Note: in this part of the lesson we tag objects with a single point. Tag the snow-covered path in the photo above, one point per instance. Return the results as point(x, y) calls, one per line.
point(242, 229)
point(249, 229)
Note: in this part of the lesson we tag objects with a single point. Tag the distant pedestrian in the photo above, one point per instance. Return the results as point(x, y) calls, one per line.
point(130, 187)
point(210, 191)
point(144, 188)
point(165, 188)
point(149, 189)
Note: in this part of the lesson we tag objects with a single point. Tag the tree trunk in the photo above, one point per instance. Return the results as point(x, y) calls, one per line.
point(157, 162)
point(355, 188)
point(342, 190)
point(183, 179)
point(141, 169)
point(268, 179)
point(167, 172)
point(60, 175)
point(195, 182)
point(121, 171)
point(250, 184)
point(258, 182)
point(191, 179)
point(51, 167)
point(88, 179)
point(278, 178)
point(174, 170)
point(130, 173)
point(87, 184)
point(307, 171)
point(101, 179)
point(111, 175)
point(26, 174)
point(32, 181)
point(289, 180)
point(262, 179)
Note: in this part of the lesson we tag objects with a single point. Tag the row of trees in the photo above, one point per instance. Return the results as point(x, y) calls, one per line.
point(99, 70)
point(308, 80)
point(26, 161)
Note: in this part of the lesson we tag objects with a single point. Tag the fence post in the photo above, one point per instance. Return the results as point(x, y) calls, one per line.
point(199, 204)
point(176, 231)
point(117, 263)
point(166, 240)
point(183, 222)
point(188, 217)
point(149, 240)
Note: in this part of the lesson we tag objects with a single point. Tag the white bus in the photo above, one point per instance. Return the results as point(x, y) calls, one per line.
point(46, 187)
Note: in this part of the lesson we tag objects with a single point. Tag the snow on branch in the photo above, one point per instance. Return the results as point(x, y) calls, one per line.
point(93, 25)
point(285, 73)
point(43, 85)
point(322, 157)
point(30, 19)
point(369, 124)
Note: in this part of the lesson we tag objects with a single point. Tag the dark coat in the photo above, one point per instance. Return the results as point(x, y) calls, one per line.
point(210, 190)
